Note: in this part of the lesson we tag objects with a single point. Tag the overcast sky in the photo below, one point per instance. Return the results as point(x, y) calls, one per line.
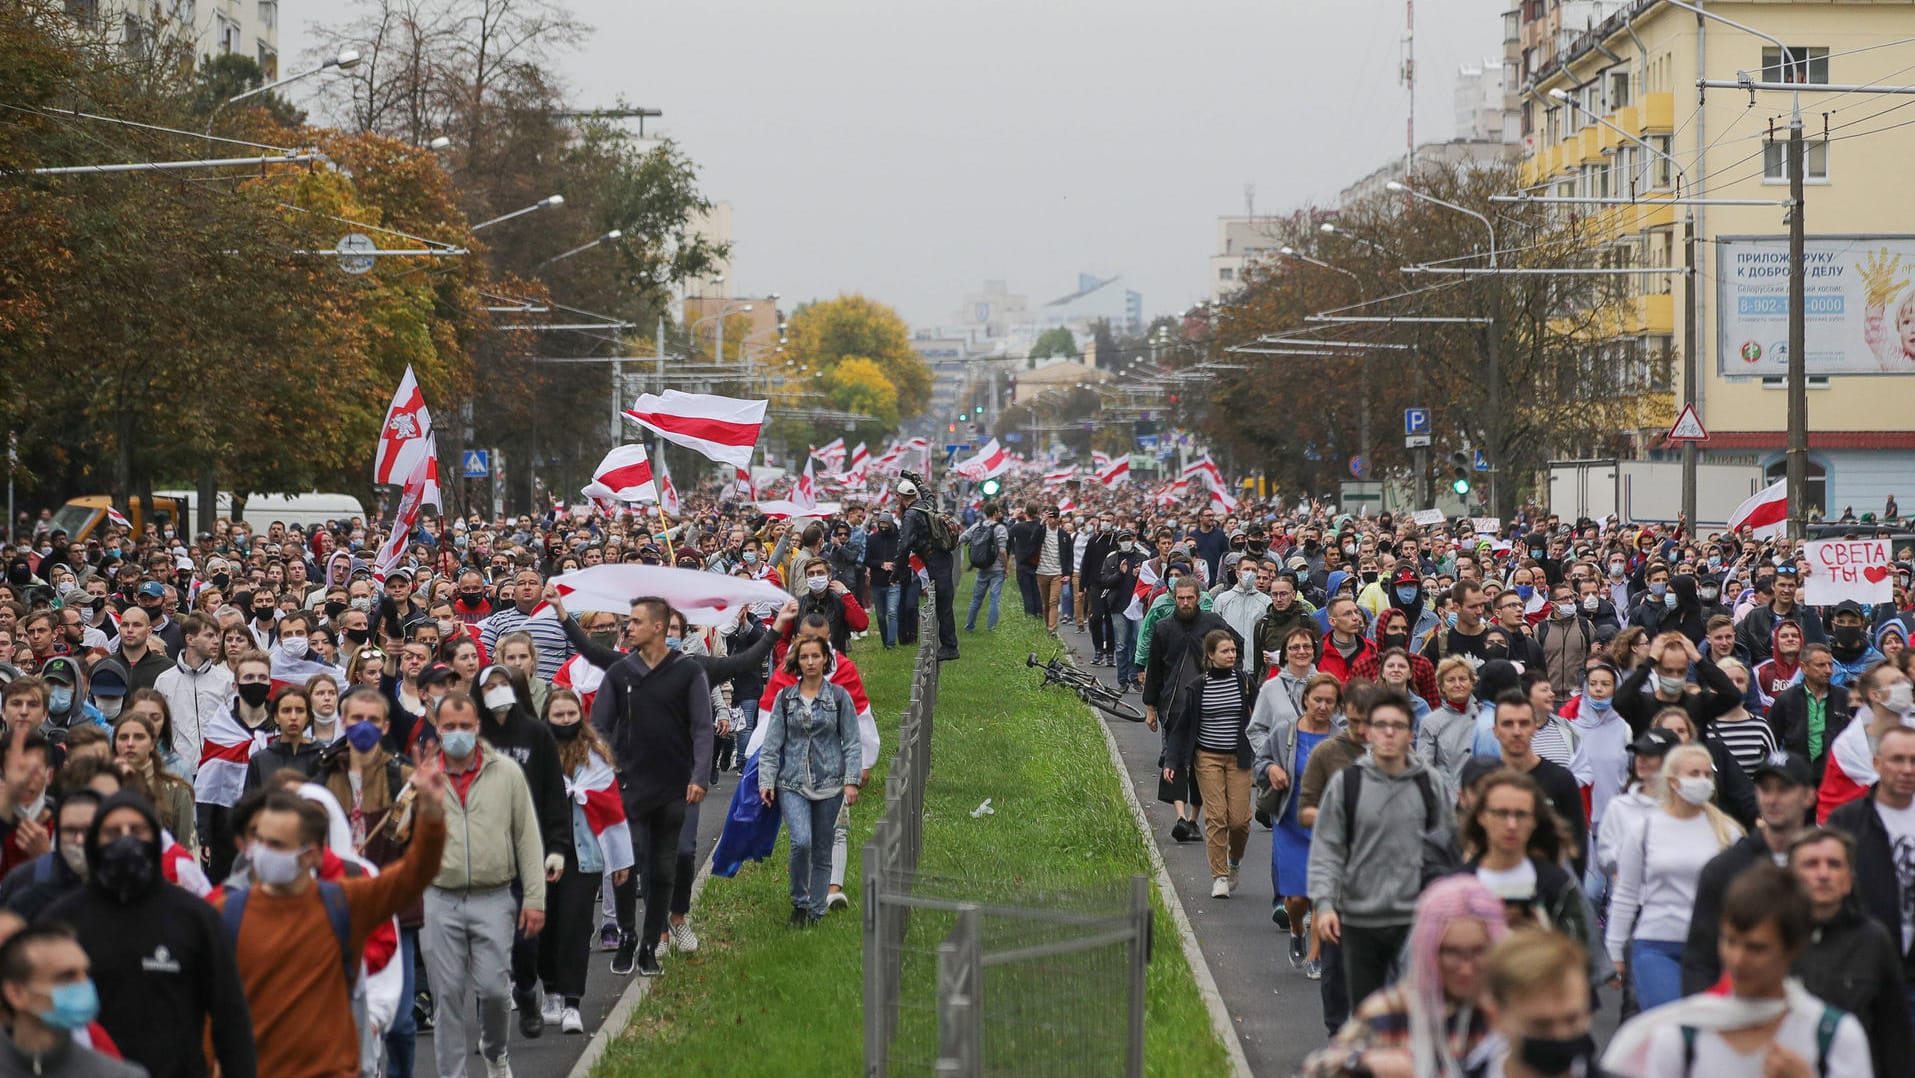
point(910, 149)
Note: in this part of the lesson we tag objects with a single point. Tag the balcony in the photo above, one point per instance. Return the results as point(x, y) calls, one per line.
point(1658, 113)
point(1658, 314)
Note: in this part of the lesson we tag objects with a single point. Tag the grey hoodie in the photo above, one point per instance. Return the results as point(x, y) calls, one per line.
point(1370, 874)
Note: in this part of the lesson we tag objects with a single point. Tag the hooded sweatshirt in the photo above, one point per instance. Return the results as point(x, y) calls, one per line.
point(1776, 672)
point(1370, 870)
point(1601, 762)
point(163, 966)
point(530, 744)
point(1853, 660)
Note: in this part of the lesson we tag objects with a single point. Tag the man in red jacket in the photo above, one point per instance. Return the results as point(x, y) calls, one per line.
point(1345, 646)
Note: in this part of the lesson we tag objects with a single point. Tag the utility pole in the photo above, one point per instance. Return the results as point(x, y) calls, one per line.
point(1689, 364)
point(1798, 459)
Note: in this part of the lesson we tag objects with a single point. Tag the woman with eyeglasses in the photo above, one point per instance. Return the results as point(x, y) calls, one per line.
point(1656, 871)
point(1517, 848)
point(1428, 1023)
point(1280, 698)
point(1285, 755)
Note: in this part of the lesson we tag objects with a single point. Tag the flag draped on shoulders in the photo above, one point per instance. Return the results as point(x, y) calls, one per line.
point(594, 788)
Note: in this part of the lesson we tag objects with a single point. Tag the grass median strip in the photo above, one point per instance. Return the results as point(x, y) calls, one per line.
point(759, 998)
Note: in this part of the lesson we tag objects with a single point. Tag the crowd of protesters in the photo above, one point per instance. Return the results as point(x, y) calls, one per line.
point(277, 813)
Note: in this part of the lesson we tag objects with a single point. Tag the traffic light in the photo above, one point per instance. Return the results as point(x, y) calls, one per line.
point(990, 487)
point(1459, 473)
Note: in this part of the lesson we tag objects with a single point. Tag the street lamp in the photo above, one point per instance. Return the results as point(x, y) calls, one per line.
point(718, 349)
point(609, 237)
point(548, 202)
point(1330, 229)
point(439, 143)
point(1406, 189)
point(1292, 252)
point(346, 60)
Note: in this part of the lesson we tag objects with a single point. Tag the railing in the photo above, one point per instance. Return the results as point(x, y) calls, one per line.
point(992, 974)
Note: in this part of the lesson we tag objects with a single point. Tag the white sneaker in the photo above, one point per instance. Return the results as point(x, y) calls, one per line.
point(554, 1005)
point(498, 1068)
point(1220, 887)
point(684, 940)
point(836, 900)
point(571, 1022)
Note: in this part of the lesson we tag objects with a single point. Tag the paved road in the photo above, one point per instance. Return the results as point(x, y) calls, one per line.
point(553, 1054)
point(1277, 1011)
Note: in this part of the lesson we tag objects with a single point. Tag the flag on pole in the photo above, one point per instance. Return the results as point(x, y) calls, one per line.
point(804, 493)
point(1099, 460)
point(1116, 473)
point(406, 517)
point(406, 434)
point(831, 454)
point(746, 488)
point(724, 429)
point(429, 494)
point(1065, 475)
point(991, 460)
point(119, 518)
point(624, 475)
point(1221, 501)
point(1766, 511)
point(667, 494)
point(1206, 469)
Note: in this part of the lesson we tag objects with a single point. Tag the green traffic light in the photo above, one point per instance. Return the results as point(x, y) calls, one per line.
point(1460, 485)
point(990, 487)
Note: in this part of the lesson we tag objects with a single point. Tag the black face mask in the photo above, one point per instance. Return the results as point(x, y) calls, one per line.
point(1848, 640)
point(358, 636)
point(334, 609)
point(1496, 651)
point(220, 580)
point(127, 868)
point(471, 600)
point(1311, 545)
point(1396, 640)
point(1549, 1055)
point(254, 694)
point(262, 613)
point(567, 732)
point(1257, 547)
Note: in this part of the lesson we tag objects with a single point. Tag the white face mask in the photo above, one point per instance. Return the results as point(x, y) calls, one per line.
point(500, 697)
point(1696, 789)
point(1247, 581)
point(1901, 698)
point(816, 584)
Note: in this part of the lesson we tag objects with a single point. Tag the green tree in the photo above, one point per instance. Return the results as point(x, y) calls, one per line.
point(822, 335)
point(1056, 341)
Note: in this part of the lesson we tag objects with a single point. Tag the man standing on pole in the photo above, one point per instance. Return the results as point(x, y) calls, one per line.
point(918, 537)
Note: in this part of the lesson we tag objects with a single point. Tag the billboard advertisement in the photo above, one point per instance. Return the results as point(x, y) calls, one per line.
point(1859, 305)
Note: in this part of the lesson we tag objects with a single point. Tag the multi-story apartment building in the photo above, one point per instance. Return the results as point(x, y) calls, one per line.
point(216, 27)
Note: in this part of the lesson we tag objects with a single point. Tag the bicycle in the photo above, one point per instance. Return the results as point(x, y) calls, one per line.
point(1088, 689)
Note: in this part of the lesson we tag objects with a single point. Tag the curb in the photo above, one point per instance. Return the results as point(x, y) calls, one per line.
point(1220, 1022)
point(635, 992)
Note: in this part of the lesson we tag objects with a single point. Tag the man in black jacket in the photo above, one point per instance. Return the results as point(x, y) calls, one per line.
point(914, 537)
point(1027, 537)
point(1101, 540)
point(881, 558)
point(1807, 716)
point(1850, 960)
point(161, 960)
point(1883, 827)
point(654, 708)
point(1784, 796)
point(1117, 576)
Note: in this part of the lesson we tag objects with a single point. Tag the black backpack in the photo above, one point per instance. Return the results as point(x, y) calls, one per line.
point(1438, 858)
point(984, 545)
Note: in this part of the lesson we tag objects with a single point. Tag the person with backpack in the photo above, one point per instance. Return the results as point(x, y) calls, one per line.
point(1767, 1025)
point(987, 546)
point(931, 537)
point(298, 939)
point(1367, 848)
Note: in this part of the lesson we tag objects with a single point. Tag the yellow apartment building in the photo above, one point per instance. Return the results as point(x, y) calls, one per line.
point(1637, 68)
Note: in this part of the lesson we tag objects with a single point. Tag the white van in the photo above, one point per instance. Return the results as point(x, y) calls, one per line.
point(305, 510)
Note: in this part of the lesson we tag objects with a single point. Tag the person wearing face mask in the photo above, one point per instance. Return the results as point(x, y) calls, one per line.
point(1242, 606)
point(1564, 638)
point(229, 741)
point(107, 689)
point(292, 745)
point(1656, 872)
point(886, 582)
point(298, 940)
point(470, 599)
point(67, 704)
point(162, 961)
point(1884, 700)
point(1406, 594)
point(1601, 762)
point(830, 598)
point(45, 986)
point(1538, 1006)
point(33, 886)
point(1850, 643)
point(1095, 548)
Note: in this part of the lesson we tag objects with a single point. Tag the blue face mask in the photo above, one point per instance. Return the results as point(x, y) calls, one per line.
point(673, 642)
point(460, 744)
point(59, 699)
point(362, 736)
point(1525, 590)
point(1656, 589)
point(1450, 619)
point(1669, 600)
point(1600, 707)
point(1406, 595)
point(74, 1005)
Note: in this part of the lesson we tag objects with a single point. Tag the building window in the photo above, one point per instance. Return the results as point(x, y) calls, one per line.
point(1804, 64)
point(1815, 482)
point(1815, 161)
point(1618, 90)
point(83, 12)
point(269, 15)
point(268, 62)
point(1660, 172)
point(1225, 273)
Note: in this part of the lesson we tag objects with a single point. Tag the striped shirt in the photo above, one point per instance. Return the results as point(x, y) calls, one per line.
point(1749, 740)
point(1552, 742)
point(1221, 712)
point(547, 635)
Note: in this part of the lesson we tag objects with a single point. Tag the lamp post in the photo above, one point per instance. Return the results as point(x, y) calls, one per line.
point(1329, 228)
point(718, 347)
point(1292, 252)
point(1690, 367)
point(609, 237)
point(346, 60)
point(548, 202)
point(1492, 349)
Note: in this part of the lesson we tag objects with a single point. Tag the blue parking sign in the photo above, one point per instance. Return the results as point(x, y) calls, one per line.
point(1416, 421)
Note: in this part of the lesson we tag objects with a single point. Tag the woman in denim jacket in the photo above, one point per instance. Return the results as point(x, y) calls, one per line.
point(808, 766)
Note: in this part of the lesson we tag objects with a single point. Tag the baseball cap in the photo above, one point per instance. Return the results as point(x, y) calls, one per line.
point(153, 589)
point(1654, 743)
point(1791, 767)
point(1407, 575)
point(60, 669)
point(436, 673)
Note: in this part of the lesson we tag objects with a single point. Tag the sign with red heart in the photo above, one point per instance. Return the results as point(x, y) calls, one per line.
point(1842, 569)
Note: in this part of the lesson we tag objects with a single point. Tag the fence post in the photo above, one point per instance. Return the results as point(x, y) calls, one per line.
point(961, 998)
point(875, 1044)
point(1140, 921)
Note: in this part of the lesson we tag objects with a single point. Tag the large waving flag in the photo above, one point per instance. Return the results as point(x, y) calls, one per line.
point(1113, 474)
point(594, 788)
point(423, 481)
point(625, 475)
point(1766, 512)
point(831, 454)
point(724, 429)
point(991, 460)
point(1060, 477)
point(804, 493)
point(406, 434)
point(667, 494)
point(1205, 469)
point(1099, 460)
point(859, 462)
point(704, 598)
point(1221, 501)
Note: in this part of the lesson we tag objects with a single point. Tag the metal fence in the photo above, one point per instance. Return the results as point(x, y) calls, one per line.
point(990, 974)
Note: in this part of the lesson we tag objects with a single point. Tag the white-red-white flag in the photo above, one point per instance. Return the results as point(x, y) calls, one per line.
point(724, 429)
point(429, 494)
point(1060, 477)
point(1765, 513)
point(858, 463)
point(831, 454)
point(1206, 470)
point(406, 434)
point(1221, 501)
point(1099, 460)
point(804, 493)
point(1113, 474)
point(991, 460)
point(704, 598)
point(667, 494)
point(1066, 507)
point(119, 518)
point(624, 475)
point(746, 488)
point(423, 479)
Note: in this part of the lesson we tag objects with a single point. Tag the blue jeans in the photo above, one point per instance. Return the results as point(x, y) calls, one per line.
point(807, 820)
point(991, 580)
point(887, 605)
point(1126, 649)
point(402, 1038)
point(1655, 967)
point(1066, 601)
